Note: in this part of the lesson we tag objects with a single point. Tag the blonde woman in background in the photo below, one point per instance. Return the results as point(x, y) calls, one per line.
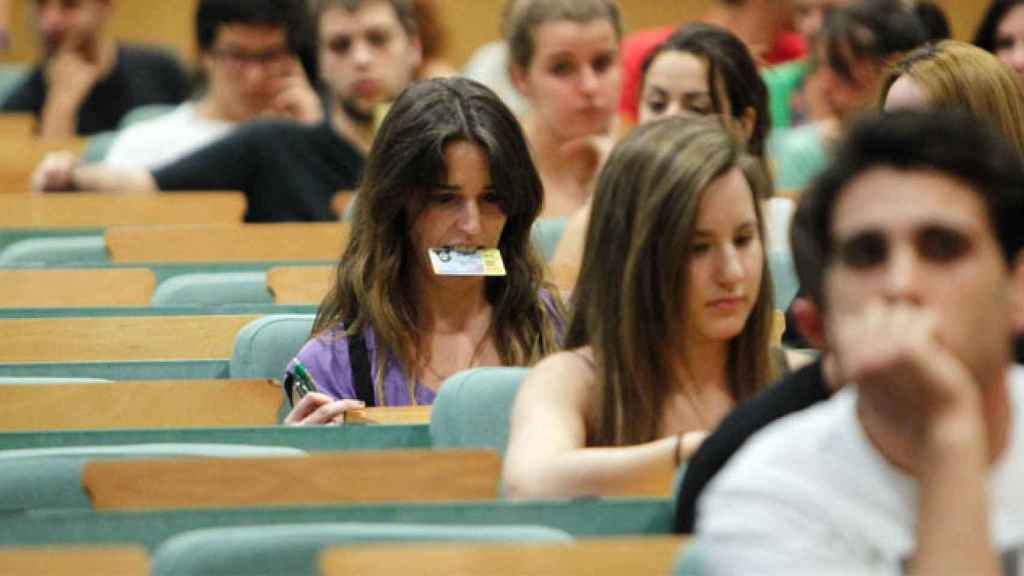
point(565, 61)
point(956, 74)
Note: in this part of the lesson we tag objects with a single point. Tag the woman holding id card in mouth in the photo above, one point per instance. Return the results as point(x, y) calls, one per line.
point(440, 274)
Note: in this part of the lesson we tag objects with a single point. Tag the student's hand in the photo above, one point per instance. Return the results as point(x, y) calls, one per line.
point(72, 71)
point(316, 408)
point(54, 173)
point(296, 99)
point(909, 378)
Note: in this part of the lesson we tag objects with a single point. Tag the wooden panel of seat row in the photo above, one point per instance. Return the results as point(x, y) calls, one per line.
point(227, 243)
point(119, 338)
point(83, 210)
point(370, 476)
point(20, 156)
point(75, 560)
point(139, 405)
point(299, 284)
point(17, 125)
point(73, 288)
point(389, 415)
point(652, 555)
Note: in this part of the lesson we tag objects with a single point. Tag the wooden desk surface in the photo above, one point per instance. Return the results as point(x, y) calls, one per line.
point(73, 287)
point(356, 476)
point(647, 556)
point(74, 560)
point(389, 415)
point(119, 338)
point(93, 209)
point(20, 156)
point(227, 243)
point(299, 284)
point(139, 405)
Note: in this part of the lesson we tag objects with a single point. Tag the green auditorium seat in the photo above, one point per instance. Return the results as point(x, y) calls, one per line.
point(214, 289)
point(294, 549)
point(264, 347)
point(151, 528)
point(97, 146)
point(472, 408)
point(50, 478)
point(11, 76)
point(71, 250)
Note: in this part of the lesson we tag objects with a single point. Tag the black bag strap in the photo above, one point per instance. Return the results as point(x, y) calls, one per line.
point(289, 387)
point(362, 380)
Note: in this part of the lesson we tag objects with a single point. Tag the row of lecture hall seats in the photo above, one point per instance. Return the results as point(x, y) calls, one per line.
point(380, 549)
point(141, 405)
point(198, 235)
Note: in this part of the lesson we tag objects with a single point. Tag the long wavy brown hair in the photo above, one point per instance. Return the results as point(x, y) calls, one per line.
point(632, 285)
point(375, 282)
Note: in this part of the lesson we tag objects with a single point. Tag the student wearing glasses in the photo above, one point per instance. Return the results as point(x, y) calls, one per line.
point(249, 68)
point(368, 52)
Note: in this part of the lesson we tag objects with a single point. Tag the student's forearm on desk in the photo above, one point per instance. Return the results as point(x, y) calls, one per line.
point(594, 471)
point(100, 177)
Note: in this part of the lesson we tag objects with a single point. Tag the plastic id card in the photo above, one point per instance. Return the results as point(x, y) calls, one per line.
point(451, 262)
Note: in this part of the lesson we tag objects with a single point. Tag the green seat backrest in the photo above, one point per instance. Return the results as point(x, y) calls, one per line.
point(126, 370)
point(50, 478)
point(312, 438)
point(11, 76)
point(216, 289)
point(76, 250)
point(264, 347)
point(587, 517)
point(472, 408)
point(294, 549)
point(98, 145)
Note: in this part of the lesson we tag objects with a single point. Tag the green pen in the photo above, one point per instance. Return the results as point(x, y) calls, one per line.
point(304, 383)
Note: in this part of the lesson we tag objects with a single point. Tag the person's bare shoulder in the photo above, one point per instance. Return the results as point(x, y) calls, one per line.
point(565, 376)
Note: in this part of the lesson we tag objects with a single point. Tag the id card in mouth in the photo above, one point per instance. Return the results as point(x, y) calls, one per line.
point(451, 262)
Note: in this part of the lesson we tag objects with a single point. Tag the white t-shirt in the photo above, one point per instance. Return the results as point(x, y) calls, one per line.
point(162, 140)
point(810, 495)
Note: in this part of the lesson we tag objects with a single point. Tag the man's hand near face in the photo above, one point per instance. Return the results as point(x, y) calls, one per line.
point(71, 73)
point(914, 384)
point(922, 407)
point(295, 98)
